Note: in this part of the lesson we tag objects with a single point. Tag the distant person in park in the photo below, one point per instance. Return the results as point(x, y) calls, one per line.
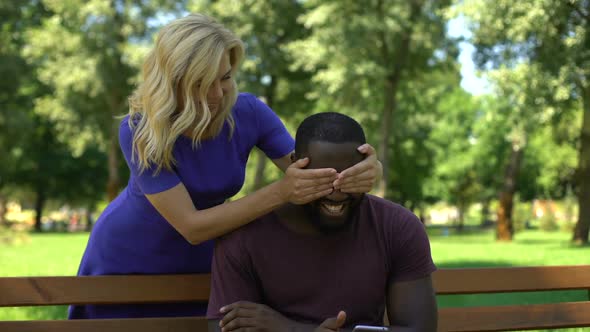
point(333, 263)
point(186, 141)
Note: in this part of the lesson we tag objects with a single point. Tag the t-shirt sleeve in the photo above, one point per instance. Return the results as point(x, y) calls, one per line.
point(148, 181)
point(410, 254)
point(273, 137)
point(232, 275)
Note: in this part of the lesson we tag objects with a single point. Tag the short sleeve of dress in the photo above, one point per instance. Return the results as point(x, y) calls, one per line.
point(148, 181)
point(273, 137)
point(410, 256)
point(232, 275)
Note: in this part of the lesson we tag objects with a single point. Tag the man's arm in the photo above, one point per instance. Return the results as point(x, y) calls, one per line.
point(249, 316)
point(411, 305)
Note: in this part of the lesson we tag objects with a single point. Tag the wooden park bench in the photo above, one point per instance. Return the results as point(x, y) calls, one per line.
point(42, 291)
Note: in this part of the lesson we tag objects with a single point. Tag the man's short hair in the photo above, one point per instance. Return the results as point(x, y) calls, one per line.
point(329, 127)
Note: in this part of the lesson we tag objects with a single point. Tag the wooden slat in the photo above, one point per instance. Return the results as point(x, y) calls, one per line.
point(511, 279)
point(30, 291)
point(23, 291)
point(509, 318)
point(180, 324)
point(33, 291)
point(573, 314)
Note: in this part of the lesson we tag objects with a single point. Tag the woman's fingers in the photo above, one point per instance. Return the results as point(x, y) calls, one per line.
point(362, 176)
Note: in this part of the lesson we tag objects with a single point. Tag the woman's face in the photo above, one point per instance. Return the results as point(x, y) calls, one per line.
point(221, 86)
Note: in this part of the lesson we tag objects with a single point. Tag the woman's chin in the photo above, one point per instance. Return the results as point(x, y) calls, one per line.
point(213, 109)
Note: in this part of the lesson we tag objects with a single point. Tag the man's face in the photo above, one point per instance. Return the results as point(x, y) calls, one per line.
point(335, 211)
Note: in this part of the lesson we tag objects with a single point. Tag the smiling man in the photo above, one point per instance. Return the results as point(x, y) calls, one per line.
point(332, 264)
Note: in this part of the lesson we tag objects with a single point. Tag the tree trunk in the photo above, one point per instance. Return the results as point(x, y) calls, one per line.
point(582, 228)
point(88, 216)
point(261, 159)
point(113, 160)
point(3, 210)
point(391, 85)
point(116, 75)
point(505, 227)
point(388, 110)
point(39, 204)
point(485, 211)
point(461, 216)
point(421, 214)
point(260, 166)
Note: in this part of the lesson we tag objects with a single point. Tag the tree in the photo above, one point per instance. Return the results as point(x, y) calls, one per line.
point(424, 102)
point(361, 53)
point(522, 91)
point(454, 177)
point(266, 27)
point(48, 168)
point(92, 71)
point(554, 35)
point(34, 160)
point(17, 94)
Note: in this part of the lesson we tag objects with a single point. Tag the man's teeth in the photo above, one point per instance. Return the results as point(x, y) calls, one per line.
point(333, 208)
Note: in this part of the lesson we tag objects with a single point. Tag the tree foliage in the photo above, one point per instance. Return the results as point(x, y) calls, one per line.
point(553, 36)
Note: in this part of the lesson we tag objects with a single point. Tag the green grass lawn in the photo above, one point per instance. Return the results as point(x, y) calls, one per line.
point(59, 254)
point(529, 248)
point(52, 254)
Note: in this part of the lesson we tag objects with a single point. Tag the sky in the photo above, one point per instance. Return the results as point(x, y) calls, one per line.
point(470, 81)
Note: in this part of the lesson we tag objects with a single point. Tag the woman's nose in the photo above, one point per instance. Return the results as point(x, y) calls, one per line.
point(216, 91)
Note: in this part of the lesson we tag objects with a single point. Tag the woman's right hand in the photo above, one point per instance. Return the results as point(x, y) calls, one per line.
point(301, 186)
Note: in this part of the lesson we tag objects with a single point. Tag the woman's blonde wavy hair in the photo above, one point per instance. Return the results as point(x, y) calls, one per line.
point(176, 74)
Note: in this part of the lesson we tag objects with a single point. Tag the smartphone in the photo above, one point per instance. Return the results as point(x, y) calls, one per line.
point(367, 328)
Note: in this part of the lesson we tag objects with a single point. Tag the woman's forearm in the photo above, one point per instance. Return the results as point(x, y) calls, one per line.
point(207, 224)
point(298, 186)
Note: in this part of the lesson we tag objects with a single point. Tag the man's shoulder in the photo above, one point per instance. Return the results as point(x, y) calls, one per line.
point(251, 231)
point(389, 217)
point(387, 208)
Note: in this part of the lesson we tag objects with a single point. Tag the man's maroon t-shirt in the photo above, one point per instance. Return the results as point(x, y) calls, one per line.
point(310, 278)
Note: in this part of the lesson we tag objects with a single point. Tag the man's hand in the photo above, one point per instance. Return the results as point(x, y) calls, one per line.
point(333, 323)
point(247, 316)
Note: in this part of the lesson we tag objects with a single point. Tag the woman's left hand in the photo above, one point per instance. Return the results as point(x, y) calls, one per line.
point(361, 177)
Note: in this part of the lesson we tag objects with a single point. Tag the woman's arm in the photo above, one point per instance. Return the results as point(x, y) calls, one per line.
point(298, 186)
point(284, 162)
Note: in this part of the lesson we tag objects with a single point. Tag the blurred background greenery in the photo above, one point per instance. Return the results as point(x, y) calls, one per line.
point(496, 165)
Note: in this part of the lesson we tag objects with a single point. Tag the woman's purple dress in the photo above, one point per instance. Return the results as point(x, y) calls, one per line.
point(131, 237)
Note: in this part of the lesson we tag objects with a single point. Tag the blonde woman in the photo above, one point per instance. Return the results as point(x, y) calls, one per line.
point(186, 141)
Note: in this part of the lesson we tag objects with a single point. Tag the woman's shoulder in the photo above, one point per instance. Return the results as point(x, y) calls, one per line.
point(246, 97)
point(248, 103)
point(249, 107)
point(124, 128)
point(124, 124)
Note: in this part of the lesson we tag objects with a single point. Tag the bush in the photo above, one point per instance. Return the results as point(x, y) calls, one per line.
point(521, 215)
point(10, 237)
point(548, 223)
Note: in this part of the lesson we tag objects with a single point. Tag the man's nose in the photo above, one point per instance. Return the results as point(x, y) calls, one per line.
point(337, 196)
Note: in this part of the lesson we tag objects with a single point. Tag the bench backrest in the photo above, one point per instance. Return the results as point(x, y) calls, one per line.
point(39, 291)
